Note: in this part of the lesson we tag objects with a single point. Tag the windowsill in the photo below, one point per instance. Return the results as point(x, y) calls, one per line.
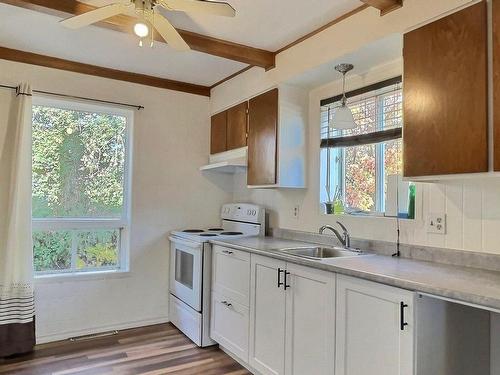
point(366, 216)
point(81, 276)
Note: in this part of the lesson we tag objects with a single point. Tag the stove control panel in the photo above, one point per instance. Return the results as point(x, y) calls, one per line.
point(245, 212)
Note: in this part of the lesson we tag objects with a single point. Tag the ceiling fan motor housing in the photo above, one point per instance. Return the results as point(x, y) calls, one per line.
point(144, 5)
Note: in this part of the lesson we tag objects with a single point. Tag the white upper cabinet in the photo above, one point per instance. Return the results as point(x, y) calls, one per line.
point(375, 328)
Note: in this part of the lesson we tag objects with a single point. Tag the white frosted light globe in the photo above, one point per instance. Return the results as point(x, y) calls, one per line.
point(342, 118)
point(141, 30)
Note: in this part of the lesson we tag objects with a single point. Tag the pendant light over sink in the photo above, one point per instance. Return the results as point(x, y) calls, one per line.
point(342, 117)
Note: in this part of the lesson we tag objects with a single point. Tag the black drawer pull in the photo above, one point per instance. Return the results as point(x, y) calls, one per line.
point(226, 303)
point(286, 283)
point(280, 283)
point(402, 307)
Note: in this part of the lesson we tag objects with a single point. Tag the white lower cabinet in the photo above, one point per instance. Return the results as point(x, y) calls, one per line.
point(301, 320)
point(292, 325)
point(229, 325)
point(375, 328)
point(267, 315)
point(231, 273)
point(310, 321)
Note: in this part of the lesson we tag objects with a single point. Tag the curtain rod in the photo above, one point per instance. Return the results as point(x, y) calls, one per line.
point(138, 107)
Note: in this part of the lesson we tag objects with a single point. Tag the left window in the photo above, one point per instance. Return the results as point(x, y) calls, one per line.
point(80, 178)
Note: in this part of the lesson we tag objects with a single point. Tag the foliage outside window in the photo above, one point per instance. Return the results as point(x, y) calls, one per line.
point(358, 172)
point(79, 172)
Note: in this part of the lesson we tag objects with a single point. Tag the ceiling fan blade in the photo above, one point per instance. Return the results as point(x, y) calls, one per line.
point(94, 16)
point(168, 32)
point(200, 6)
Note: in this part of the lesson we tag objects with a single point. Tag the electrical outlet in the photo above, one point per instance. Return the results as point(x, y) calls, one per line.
point(436, 223)
point(296, 210)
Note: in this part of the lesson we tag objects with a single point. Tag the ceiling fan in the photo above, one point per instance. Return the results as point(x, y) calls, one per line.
point(147, 12)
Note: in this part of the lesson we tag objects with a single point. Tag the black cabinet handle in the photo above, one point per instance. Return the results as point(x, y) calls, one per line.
point(280, 283)
point(286, 284)
point(402, 307)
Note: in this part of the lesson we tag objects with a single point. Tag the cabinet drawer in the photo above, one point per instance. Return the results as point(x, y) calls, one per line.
point(185, 318)
point(230, 325)
point(231, 274)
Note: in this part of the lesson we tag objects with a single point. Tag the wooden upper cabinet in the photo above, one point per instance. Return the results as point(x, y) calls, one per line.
point(445, 95)
point(237, 126)
point(262, 139)
point(218, 133)
point(496, 84)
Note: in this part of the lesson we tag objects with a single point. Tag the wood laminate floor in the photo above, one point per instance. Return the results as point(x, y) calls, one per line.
point(153, 350)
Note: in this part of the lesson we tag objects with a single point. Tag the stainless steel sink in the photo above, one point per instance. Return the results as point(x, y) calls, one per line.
point(319, 252)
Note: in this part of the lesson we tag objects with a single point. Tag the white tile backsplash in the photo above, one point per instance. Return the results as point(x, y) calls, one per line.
point(472, 211)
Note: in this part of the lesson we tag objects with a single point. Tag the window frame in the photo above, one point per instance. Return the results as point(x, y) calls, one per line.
point(378, 139)
point(121, 224)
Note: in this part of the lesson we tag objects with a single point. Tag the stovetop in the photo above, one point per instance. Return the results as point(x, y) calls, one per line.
point(206, 234)
point(237, 220)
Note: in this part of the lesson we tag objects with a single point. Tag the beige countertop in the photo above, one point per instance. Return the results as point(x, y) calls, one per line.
point(469, 285)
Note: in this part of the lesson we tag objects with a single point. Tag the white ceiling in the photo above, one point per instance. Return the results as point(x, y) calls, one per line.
point(258, 23)
point(41, 33)
point(266, 24)
point(380, 52)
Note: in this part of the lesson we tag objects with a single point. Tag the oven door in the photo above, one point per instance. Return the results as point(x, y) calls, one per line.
point(186, 271)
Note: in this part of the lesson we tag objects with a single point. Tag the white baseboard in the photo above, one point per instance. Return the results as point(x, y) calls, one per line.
point(88, 331)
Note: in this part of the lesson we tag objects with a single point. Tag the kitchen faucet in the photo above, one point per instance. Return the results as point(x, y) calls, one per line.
point(345, 238)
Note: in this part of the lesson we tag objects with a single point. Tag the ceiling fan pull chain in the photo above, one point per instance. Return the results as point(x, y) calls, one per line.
point(152, 27)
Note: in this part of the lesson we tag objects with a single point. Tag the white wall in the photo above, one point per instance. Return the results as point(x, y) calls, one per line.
point(472, 206)
point(171, 140)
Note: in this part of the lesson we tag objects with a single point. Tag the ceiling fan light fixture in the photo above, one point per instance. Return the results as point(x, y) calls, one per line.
point(141, 29)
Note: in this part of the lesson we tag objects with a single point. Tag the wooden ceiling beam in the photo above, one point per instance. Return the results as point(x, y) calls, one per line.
point(73, 66)
point(124, 23)
point(385, 6)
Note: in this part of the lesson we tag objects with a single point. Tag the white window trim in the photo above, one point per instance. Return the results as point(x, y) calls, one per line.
point(123, 223)
point(379, 210)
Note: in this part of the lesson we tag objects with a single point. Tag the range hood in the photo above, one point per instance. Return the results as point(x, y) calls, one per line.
point(227, 162)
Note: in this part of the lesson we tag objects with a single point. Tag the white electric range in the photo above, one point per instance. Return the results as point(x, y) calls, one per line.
point(191, 265)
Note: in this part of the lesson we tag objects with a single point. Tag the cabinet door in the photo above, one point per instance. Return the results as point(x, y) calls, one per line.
point(237, 126)
point(445, 95)
point(262, 139)
point(370, 335)
point(310, 321)
point(231, 273)
point(267, 316)
point(218, 133)
point(229, 325)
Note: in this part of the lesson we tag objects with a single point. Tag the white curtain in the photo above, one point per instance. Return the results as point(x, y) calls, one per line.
point(16, 249)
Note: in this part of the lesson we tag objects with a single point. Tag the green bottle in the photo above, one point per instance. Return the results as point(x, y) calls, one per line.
point(411, 201)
